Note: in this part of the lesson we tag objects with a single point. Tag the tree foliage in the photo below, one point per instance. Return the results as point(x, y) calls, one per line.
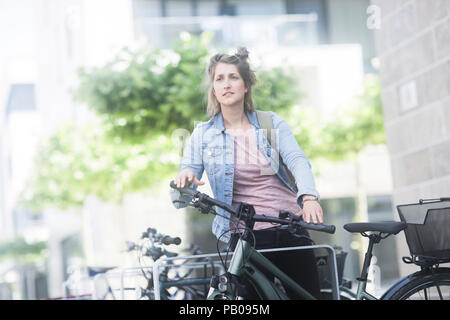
point(277, 90)
point(148, 91)
point(20, 250)
point(356, 126)
point(77, 162)
point(306, 125)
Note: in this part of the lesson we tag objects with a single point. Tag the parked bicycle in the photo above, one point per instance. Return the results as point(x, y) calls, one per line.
point(176, 283)
point(426, 226)
point(89, 283)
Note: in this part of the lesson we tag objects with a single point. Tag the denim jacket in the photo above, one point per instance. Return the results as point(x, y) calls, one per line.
point(211, 148)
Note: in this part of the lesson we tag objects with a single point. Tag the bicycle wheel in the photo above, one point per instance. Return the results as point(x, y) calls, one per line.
point(434, 286)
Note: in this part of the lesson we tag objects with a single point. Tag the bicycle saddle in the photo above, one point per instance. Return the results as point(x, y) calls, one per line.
point(391, 227)
point(93, 271)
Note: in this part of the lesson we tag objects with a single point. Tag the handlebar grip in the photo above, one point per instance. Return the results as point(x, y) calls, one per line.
point(328, 228)
point(186, 190)
point(169, 240)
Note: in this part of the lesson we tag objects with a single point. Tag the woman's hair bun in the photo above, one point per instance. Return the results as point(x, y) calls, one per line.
point(242, 53)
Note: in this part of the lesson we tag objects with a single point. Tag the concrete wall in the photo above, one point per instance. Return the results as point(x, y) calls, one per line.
point(413, 45)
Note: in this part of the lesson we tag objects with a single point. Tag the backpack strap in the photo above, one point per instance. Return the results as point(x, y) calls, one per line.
point(265, 122)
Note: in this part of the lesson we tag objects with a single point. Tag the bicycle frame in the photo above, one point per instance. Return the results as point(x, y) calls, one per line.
point(362, 293)
point(246, 258)
point(244, 255)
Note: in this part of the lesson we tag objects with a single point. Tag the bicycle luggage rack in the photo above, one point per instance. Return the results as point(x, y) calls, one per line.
point(122, 273)
point(332, 266)
point(119, 273)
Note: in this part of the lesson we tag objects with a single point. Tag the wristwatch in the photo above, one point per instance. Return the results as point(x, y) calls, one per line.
point(310, 198)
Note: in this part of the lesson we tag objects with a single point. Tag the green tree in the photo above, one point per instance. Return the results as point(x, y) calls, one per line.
point(21, 251)
point(77, 162)
point(307, 126)
point(147, 91)
point(277, 90)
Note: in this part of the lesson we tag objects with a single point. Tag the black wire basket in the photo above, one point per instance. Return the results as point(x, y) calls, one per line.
point(428, 230)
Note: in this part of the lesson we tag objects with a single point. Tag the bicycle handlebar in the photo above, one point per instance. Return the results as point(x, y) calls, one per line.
point(328, 228)
point(152, 234)
point(204, 198)
point(259, 218)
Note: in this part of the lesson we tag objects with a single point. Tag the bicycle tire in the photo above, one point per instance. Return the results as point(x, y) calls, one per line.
point(432, 286)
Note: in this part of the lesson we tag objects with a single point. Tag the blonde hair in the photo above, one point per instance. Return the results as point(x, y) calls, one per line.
point(239, 59)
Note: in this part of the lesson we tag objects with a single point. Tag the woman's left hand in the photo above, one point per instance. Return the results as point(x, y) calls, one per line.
point(312, 211)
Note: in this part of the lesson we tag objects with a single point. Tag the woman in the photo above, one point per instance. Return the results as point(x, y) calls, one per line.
point(242, 167)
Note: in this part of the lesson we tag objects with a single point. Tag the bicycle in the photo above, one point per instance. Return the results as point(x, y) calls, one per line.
point(174, 285)
point(417, 221)
point(427, 230)
point(247, 264)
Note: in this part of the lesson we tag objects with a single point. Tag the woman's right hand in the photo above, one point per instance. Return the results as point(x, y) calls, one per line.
point(189, 175)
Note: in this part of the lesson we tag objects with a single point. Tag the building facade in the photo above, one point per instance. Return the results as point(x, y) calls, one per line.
point(413, 45)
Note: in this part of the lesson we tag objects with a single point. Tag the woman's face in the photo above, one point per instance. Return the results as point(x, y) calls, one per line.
point(228, 85)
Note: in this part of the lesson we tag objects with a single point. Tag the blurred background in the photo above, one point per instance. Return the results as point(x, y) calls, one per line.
point(98, 97)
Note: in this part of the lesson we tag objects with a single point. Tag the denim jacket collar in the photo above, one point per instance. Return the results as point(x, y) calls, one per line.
point(220, 125)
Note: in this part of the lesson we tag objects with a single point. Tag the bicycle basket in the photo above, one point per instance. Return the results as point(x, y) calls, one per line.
point(428, 230)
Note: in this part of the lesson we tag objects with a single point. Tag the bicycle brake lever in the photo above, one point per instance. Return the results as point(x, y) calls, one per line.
point(283, 214)
point(204, 208)
point(293, 227)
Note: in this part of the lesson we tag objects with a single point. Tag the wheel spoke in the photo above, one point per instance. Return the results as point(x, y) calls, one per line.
point(439, 291)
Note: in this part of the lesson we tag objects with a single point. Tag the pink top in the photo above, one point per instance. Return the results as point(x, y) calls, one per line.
point(256, 183)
